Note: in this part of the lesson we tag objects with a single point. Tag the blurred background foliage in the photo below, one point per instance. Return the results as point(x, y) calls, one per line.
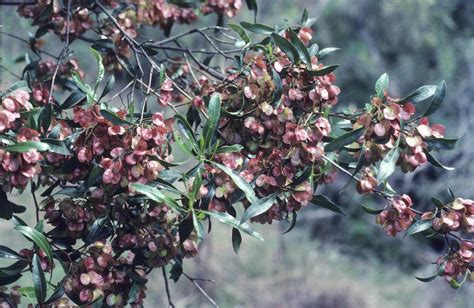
point(329, 260)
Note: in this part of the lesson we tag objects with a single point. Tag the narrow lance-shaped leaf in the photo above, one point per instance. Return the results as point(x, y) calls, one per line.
point(109, 84)
point(257, 28)
point(57, 294)
point(433, 161)
point(228, 219)
point(113, 117)
point(381, 85)
point(75, 98)
point(371, 210)
point(198, 227)
point(241, 32)
point(39, 281)
point(252, 5)
point(438, 98)
point(388, 164)
point(236, 239)
point(286, 47)
point(277, 93)
point(230, 148)
point(324, 71)
point(214, 113)
point(8, 253)
point(419, 95)
point(239, 181)
point(258, 207)
point(442, 143)
point(156, 195)
point(326, 51)
point(38, 238)
point(438, 273)
point(100, 68)
point(27, 146)
point(56, 146)
point(419, 226)
point(294, 216)
point(300, 47)
point(324, 201)
point(343, 140)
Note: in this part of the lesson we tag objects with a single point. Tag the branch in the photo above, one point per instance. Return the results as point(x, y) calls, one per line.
point(193, 280)
point(170, 303)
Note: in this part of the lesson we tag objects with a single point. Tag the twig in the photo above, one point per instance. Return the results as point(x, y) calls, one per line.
point(193, 280)
point(63, 51)
point(168, 294)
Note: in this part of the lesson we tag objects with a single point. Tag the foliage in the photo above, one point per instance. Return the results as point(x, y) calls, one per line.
point(261, 134)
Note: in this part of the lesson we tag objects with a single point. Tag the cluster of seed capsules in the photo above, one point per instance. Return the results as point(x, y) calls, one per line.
point(282, 137)
point(131, 15)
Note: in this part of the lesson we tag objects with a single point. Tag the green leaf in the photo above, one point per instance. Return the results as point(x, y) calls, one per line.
point(26, 146)
point(455, 284)
point(343, 140)
point(7, 208)
point(228, 219)
point(100, 230)
point(278, 87)
point(286, 47)
point(109, 84)
point(75, 98)
point(438, 203)
point(326, 51)
point(442, 143)
point(195, 189)
point(28, 292)
point(57, 294)
point(388, 164)
point(239, 181)
point(381, 85)
point(198, 227)
point(433, 161)
point(258, 207)
point(103, 45)
point(438, 273)
point(7, 253)
point(303, 177)
point(293, 222)
point(257, 28)
point(39, 281)
point(157, 196)
point(113, 117)
point(236, 240)
point(22, 84)
point(438, 98)
point(304, 17)
point(95, 176)
point(371, 210)
point(252, 5)
point(100, 68)
point(82, 86)
point(186, 129)
point(324, 201)
point(230, 148)
point(38, 238)
point(241, 32)
point(300, 47)
point(419, 226)
point(324, 71)
point(45, 117)
point(211, 126)
point(56, 146)
point(419, 95)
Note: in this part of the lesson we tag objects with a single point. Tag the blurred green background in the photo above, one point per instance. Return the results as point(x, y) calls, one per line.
point(329, 260)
